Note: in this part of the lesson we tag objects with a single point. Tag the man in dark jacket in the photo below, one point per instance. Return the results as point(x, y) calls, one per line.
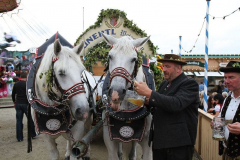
point(175, 115)
point(19, 98)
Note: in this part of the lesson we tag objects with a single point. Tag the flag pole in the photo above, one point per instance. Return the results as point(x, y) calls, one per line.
point(180, 45)
point(206, 58)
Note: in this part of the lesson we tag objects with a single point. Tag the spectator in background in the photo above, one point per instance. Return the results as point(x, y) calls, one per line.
point(201, 87)
point(211, 104)
point(220, 87)
point(214, 93)
point(224, 94)
point(225, 89)
point(201, 97)
point(19, 98)
point(218, 98)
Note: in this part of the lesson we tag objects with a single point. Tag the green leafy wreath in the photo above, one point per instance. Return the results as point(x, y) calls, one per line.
point(100, 51)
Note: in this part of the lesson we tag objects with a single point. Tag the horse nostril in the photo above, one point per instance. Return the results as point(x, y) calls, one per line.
point(124, 91)
point(78, 111)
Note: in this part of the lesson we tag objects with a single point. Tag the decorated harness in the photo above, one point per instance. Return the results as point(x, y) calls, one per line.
point(128, 125)
point(56, 118)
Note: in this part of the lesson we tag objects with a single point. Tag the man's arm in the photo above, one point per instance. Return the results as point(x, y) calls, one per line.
point(185, 95)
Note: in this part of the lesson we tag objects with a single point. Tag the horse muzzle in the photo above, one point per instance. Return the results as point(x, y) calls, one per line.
point(81, 114)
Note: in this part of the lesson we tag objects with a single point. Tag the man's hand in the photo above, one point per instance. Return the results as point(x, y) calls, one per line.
point(142, 89)
point(234, 128)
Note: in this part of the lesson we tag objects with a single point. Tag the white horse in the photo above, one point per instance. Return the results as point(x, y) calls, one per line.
point(122, 60)
point(69, 73)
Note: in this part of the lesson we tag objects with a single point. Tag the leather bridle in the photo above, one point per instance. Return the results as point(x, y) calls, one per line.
point(122, 72)
point(65, 94)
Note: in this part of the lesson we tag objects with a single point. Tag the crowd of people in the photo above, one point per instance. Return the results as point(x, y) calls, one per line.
point(215, 99)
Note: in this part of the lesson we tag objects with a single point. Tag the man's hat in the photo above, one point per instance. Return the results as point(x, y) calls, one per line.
point(232, 66)
point(172, 58)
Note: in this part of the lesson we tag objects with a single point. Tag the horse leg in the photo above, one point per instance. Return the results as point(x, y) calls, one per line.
point(132, 154)
point(112, 146)
point(68, 150)
point(146, 150)
point(52, 147)
point(120, 151)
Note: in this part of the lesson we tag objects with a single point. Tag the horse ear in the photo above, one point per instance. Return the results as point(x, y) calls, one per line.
point(109, 39)
point(57, 47)
point(78, 49)
point(140, 41)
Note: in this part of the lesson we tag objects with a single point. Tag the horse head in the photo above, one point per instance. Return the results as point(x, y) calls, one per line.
point(123, 65)
point(64, 80)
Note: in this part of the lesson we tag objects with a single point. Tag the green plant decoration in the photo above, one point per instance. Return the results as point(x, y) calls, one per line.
point(158, 75)
point(115, 13)
point(236, 65)
point(100, 51)
point(49, 78)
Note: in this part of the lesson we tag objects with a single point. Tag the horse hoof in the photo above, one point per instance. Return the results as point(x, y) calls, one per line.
point(67, 158)
point(86, 158)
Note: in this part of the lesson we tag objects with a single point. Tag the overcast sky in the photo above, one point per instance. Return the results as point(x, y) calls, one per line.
point(164, 20)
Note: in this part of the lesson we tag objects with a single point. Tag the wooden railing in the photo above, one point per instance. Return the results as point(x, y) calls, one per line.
point(206, 147)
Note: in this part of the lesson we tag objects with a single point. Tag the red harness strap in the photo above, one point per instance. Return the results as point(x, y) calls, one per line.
point(122, 72)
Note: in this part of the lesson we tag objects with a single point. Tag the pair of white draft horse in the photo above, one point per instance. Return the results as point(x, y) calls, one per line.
point(69, 70)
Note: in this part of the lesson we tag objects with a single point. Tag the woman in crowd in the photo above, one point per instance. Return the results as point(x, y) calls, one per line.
point(218, 98)
point(211, 105)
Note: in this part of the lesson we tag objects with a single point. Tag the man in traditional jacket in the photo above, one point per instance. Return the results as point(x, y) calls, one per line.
point(175, 115)
point(230, 148)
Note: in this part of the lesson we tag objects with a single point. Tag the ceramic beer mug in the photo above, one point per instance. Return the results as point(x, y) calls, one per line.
point(218, 128)
point(134, 98)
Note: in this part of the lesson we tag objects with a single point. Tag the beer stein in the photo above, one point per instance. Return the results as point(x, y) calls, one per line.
point(134, 98)
point(218, 131)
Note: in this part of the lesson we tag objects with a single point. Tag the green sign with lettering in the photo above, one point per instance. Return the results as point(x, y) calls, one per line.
point(196, 63)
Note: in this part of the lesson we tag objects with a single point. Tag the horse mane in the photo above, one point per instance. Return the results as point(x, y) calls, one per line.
point(64, 55)
point(124, 44)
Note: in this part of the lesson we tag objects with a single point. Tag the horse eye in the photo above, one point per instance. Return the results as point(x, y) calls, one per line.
point(134, 59)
